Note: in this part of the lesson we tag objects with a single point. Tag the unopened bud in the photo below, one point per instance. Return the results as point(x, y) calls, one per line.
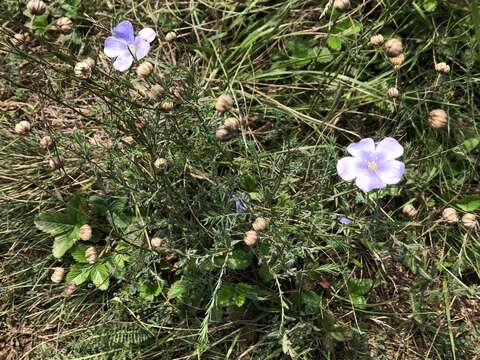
point(377, 40)
point(167, 105)
point(161, 164)
point(23, 127)
point(46, 142)
point(250, 238)
point(450, 215)
point(260, 224)
point(144, 69)
point(224, 103)
point(224, 133)
point(91, 255)
point(410, 210)
point(393, 47)
point(56, 162)
point(17, 39)
point(171, 36)
point(341, 5)
point(397, 61)
point(85, 232)
point(393, 93)
point(442, 68)
point(469, 220)
point(83, 69)
point(156, 242)
point(64, 24)
point(437, 118)
point(36, 7)
point(156, 92)
point(57, 275)
point(69, 289)
point(232, 123)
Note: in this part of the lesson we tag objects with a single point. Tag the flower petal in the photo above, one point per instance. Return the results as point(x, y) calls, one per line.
point(361, 148)
point(124, 31)
point(147, 34)
point(123, 62)
point(368, 181)
point(114, 46)
point(142, 47)
point(390, 171)
point(389, 148)
point(349, 167)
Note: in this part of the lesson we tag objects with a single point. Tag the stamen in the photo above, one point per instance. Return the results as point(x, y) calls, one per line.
point(372, 166)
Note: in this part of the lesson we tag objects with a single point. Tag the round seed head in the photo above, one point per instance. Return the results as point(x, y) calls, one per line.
point(69, 289)
point(17, 39)
point(161, 164)
point(171, 36)
point(377, 40)
point(64, 24)
point(341, 5)
point(156, 91)
point(469, 220)
point(260, 224)
point(437, 118)
point(393, 93)
point(167, 105)
point(91, 255)
point(46, 142)
point(410, 210)
point(224, 103)
point(83, 69)
point(36, 7)
point(57, 275)
point(85, 232)
point(156, 242)
point(397, 60)
point(442, 68)
point(56, 162)
point(144, 69)
point(393, 47)
point(224, 133)
point(232, 123)
point(22, 127)
point(250, 238)
point(450, 215)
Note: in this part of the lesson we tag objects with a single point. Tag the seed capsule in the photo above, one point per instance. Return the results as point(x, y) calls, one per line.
point(442, 68)
point(83, 69)
point(232, 123)
point(64, 24)
point(341, 5)
point(437, 119)
point(156, 92)
point(46, 142)
point(17, 39)
point(260, 224)
point(224, 133)
point(250, 238)
point(144, 69)
point(161, 164)
point(393, 47)
point(469, 220)
point(69, 289)
point(377, 40)
point(171, 36)
point(57, 275)
point(91, 255)
point(90, 62)
point(393, 93)
point(36, 7)
point(156, 242)
point(167, 105)
point(224, 103)
point(56, 162)
point(450, 215)
point(397, 60)
point(410, 210)
point(23, 127)
point(85, 232)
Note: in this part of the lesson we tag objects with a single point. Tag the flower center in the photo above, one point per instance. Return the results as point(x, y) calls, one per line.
point(372, 166)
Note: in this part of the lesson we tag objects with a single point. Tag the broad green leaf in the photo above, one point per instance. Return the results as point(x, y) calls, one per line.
point(177, 290)
point(312, 301)
point(78, 274)
point(359, 286)
point(239, 260)
point(358, 301)
point(99, 276)
point(324, 56)
point(334, 42)
point(149, 290)
point(469, 203)
point(78, 253)
point(265, 274)
point(430, 5)
point(230, 295)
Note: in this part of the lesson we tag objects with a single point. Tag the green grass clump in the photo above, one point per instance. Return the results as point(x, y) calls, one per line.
point(305, 82)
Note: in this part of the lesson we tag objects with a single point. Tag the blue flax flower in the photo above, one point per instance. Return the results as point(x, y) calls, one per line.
point(240, 205)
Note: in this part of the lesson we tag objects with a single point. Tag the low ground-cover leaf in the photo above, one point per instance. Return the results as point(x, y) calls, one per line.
point(99, 276)
point(78, 274)
point(177, 290)
point(469, 203)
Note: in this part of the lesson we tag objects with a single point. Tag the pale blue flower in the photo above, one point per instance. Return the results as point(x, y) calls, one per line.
point(125, 46)
point(372, 166)
point(240, 202)
point(344, 220)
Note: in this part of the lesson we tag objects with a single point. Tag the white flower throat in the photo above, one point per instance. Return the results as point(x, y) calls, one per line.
point(372, 166)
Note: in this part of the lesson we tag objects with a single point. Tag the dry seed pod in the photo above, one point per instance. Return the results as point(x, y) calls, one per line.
point(450, 215)
point(224, 133)
point(69, 289)
point(437, 118)
point(23, 127)
point(442, 68)
point(260, 224)
point(224, 103)
point(46, 142)
point(144, 69)
point(161, 164)
point(250, 238)
point(17, 39)
point(377, 40)
point(469, 220)
point(90, 62)
point(64, 24)
point(410, 210)
point(232, 123)
point(57, 275)
point(393, 93)
point(36, 7)
point(83, 69)
point(156, 92)
point(91, 255)
point(171, 36)
point(56, 162)
point(397, 60)
point(85, 232)
point(341, 5)
point(167, 105)
point(393, 47)
point(156, 242)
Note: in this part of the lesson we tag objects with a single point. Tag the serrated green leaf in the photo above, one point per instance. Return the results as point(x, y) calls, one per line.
point(239, 260)
point(359, 286)
point(78, 253)
point(177, 290)
point(324, 56)
point(149, 290)
point(334, 42)
point(469, 203)
point(230, 295)
point(99, 276)
point(78, 274)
